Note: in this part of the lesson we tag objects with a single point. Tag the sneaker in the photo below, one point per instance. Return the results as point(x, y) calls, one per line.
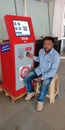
point(29, 96)
point(39, 106)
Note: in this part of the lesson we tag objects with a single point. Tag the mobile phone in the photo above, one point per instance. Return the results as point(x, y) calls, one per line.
point(28, 53)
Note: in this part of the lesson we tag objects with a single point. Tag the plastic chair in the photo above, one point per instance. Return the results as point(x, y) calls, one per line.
point(53, 88)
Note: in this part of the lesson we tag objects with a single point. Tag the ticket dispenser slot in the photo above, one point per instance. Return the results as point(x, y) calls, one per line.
point(20, 53)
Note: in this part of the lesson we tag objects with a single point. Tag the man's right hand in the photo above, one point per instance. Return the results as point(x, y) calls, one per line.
point(29, 55)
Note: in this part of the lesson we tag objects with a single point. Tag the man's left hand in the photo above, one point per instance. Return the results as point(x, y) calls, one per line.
point(38, 79)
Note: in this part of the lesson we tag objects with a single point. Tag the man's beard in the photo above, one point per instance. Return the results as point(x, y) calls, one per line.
point(47, 51)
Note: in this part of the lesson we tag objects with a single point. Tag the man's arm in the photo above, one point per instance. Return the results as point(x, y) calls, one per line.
point(31, 56)
point(36, 58)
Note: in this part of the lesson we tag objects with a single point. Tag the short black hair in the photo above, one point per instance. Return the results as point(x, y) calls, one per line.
point(49, 38)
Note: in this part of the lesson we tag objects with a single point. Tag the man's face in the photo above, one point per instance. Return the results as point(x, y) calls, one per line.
point(48, 45)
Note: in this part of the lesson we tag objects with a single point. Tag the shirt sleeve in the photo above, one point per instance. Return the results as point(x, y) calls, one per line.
point(36, 58)
point(53, 69)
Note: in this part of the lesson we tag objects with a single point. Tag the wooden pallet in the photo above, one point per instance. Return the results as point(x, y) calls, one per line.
point(13, 99)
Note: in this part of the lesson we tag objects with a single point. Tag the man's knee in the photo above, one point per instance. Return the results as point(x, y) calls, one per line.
point(25, 79)
point(46, 81)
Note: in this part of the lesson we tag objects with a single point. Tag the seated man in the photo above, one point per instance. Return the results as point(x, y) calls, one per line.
point(49, 60)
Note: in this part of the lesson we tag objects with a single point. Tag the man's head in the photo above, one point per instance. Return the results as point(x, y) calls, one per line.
point(48, 43)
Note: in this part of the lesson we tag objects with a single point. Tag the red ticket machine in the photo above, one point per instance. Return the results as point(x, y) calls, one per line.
point(15, 64)
point(0, 66)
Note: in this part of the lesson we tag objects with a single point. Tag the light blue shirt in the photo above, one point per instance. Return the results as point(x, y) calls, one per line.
point(48, 63)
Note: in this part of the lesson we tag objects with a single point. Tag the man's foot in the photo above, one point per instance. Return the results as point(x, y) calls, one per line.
point(39, 106)
point(29, 96)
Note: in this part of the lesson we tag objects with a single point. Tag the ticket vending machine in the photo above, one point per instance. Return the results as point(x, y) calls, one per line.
point(0, 66)
point(15, 64)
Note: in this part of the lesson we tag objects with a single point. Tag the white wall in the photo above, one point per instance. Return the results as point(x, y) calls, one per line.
point(58, 18)
point(51, 15)
point(6, 7)
point(19, 7)
point(39, 14)
point(36, 10)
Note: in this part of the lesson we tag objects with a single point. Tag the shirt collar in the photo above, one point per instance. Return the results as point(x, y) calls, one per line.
point(50, 51)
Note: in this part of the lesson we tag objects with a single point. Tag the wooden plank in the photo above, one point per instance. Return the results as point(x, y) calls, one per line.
point(12, 97)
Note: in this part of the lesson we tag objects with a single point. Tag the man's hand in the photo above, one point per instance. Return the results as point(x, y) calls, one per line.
point(38, 79)
point(29, 55)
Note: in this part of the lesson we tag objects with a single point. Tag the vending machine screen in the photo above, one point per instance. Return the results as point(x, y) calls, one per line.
point(21, 28)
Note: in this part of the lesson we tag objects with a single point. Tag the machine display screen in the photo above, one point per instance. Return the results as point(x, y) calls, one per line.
point(21, 28)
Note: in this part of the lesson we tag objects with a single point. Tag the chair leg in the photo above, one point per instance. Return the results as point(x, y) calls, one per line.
point(52, 91)
point(57, 86)
point(37, 88)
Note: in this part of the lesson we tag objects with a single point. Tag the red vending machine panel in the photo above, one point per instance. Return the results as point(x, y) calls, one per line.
point(15, 64)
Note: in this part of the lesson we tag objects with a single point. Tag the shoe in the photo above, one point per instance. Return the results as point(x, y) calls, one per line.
point(29, 96)
point(40, 106)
